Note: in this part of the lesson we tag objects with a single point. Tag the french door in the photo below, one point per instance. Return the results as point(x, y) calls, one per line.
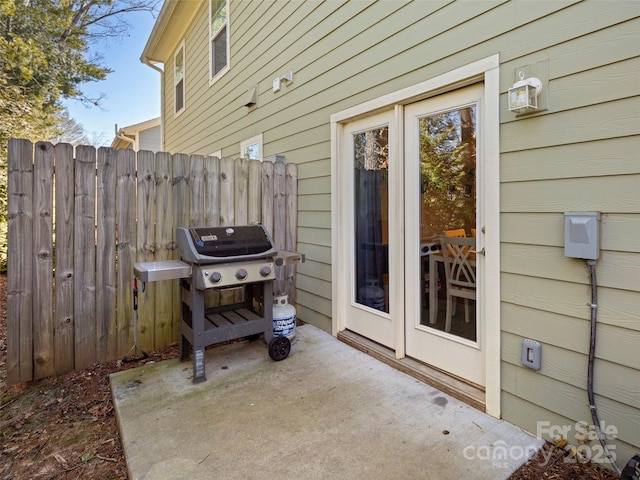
point(368, 228)
point(443, 324)
point(406, 176)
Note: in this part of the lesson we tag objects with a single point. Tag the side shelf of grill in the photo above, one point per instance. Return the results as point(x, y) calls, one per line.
point(161, 270)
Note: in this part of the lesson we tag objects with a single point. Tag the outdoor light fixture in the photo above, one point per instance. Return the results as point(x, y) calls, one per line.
point(523, 96)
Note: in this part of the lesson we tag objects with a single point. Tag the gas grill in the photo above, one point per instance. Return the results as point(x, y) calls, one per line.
point(223, 258)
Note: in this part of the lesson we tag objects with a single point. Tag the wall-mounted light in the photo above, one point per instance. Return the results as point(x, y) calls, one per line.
point(523, 96)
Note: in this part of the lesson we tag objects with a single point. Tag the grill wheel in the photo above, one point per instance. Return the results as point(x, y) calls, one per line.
point(279, 348)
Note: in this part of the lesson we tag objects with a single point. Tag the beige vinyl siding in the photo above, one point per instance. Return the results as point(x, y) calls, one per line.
point(529, 413)
point(150, 139)
point(581, 154)
point(342, 53)
point(561, 391)
point(616, 156)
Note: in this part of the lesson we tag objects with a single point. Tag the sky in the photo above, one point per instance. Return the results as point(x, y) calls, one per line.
point(131, 92)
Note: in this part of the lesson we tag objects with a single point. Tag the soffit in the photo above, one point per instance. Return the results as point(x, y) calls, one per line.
point(169, 29)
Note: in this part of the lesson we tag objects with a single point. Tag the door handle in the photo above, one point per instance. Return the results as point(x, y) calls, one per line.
point(479, 252)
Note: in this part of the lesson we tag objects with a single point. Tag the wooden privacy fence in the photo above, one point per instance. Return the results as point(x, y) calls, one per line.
point(78, 221)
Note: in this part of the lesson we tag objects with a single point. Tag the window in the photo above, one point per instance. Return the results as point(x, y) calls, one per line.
point(252, 148)
point(218, 37)
point(178, 80)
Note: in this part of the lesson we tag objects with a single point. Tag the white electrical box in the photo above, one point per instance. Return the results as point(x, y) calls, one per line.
point(582, 235)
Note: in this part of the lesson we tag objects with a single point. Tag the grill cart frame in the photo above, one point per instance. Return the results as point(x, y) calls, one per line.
point(219, 258)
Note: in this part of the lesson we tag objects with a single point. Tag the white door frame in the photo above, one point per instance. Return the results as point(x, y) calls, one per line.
point(485, 70)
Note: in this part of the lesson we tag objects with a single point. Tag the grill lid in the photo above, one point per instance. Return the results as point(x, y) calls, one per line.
point(224, 244)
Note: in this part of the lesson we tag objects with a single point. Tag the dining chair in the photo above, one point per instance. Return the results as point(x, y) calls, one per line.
point(460, 233)
point(455, 233)
point(460, 273)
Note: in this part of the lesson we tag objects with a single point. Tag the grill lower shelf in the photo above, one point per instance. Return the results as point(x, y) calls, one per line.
point(201, 327)
point(227, 325)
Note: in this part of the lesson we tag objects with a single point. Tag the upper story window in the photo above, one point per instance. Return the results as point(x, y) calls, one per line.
point(218, 37)
point(178, 79)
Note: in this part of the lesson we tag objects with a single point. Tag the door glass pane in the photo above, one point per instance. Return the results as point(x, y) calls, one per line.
point(371, 210)
point(448, 207)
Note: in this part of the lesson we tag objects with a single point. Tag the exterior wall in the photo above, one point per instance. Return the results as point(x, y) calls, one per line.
point(149, 139)
point(142, 136)
point(580, 155)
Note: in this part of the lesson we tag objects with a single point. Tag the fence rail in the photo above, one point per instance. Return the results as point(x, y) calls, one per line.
point(80, 218)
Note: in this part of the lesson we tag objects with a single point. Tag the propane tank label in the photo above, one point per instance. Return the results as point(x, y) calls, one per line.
point(284, 318)
point(284, 326)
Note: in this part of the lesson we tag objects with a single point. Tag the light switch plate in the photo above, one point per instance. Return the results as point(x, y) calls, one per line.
point(276, 84)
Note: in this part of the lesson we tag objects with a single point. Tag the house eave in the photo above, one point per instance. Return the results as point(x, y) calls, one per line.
point(134, 129)
point(169, 29)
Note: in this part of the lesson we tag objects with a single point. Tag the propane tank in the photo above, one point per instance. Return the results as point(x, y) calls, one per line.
point(284, 317)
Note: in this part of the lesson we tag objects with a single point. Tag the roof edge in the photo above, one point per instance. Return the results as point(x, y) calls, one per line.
point(136, 127)
point(173, 20)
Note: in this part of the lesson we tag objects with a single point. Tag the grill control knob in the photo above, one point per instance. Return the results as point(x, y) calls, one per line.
point(215, 277)
point(265, 271)
point(241, 274)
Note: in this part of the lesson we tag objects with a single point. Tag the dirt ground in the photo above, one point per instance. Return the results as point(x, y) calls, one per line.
point(65, 427)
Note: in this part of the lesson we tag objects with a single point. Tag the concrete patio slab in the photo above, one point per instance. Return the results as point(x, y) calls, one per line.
point(326, 411)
